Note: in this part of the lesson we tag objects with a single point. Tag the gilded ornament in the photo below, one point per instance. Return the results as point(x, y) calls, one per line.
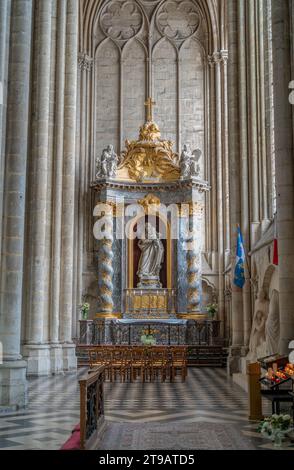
point(149, 202)
point(149, 158)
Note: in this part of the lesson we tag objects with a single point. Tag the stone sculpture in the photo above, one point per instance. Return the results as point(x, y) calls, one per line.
point(152, 252)
point(189, 162)
point(257, 336)
point(272, 326)
point(107, 164)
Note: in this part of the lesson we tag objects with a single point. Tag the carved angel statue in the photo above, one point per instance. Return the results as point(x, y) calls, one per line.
point(106, 165)
point(189, 162)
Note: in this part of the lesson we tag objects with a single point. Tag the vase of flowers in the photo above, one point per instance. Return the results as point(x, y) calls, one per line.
point(275, 427)
point(148, 340)
point(148, 337)
point(211, 310)
point(85, 307)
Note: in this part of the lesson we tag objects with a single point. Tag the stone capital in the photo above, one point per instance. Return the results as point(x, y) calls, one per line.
point(214, 58)
point(85, 62)
point(224, 56)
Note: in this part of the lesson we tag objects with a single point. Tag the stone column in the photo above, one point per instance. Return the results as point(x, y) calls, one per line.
point(35, 350)
point(84, 159)
point(226, 185)
point(194, 259)
point(253, 124)
point(213, 192)
point(269, 111)
point(219, 181)
point(56, 350)
point(68, 184)
point(244, 166)
point(284, 167)
point(235, 180)
point(13, 369)
point(5, 10)
point(261, 12)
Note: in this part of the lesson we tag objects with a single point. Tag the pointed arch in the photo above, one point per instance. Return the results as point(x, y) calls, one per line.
point(165, 87)
point(106, 113)
point(134, 84)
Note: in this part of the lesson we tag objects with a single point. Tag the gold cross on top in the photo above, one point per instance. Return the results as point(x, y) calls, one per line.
point(149, 105)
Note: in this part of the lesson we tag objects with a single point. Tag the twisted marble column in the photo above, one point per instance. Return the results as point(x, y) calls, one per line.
point(106, 271)
point(194, 261)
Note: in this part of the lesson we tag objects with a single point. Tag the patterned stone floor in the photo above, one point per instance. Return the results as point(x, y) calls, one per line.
point(207, 396)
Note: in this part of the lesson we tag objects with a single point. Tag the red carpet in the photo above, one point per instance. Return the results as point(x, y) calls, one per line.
point(73, 443)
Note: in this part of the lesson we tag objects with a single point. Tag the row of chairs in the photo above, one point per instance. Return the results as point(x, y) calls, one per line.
point(137, 362)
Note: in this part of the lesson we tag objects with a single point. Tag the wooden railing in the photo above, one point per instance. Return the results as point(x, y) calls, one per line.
point(91, 407)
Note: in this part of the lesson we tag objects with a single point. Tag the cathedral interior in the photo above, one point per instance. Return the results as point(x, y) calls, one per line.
point(147, 223)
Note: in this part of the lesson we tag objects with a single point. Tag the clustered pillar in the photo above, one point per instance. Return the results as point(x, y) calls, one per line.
point(13, 369)
point(39, 48)
point(283, 114)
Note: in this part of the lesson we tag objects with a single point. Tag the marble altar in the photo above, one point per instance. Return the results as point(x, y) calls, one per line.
point(152, 205)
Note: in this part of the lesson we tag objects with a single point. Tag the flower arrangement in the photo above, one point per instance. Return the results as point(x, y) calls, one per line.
point(275, 427)
point(84, 308)
point(147, 337)
point(211, 310)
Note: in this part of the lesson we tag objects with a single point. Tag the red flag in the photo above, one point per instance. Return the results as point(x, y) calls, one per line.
point(275, 254)
point(275, 250)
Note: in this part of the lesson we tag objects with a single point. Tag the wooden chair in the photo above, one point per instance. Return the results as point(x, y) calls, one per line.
point(178, 363)
point(158, 363)
point(138, 360)
point(99, 356)
point(120, 363)
point(95, 357)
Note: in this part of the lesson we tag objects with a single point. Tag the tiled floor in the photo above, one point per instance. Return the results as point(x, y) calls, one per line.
point(207, 396)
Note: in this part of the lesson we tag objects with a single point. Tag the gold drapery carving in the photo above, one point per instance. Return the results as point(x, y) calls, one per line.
point(150, 203)
point(149, 158)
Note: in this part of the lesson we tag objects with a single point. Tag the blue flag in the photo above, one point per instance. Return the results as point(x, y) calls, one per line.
point(239, 277)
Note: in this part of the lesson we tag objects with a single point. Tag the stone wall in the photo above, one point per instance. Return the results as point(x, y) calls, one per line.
point(38, 151)
point(261, 172)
